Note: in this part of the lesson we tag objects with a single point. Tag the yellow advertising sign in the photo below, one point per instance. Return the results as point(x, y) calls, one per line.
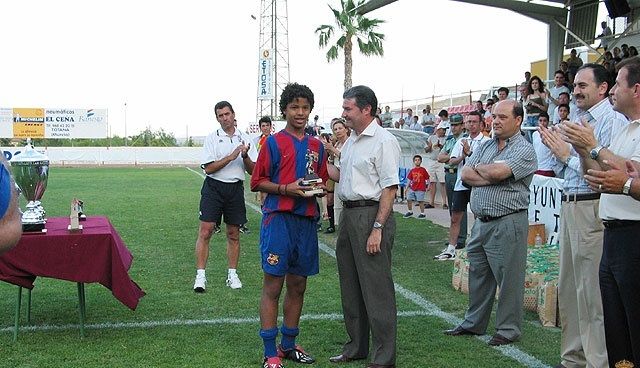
point(28, 123)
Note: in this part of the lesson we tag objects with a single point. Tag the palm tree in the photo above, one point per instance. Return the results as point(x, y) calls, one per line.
point(351, 24)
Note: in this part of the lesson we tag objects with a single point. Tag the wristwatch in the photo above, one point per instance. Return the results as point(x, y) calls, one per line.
point(595, 152)
point(627, 186)
point(377, 225)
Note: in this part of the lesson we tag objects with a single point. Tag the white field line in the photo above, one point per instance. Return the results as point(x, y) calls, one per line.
point(429, 309)
point(189, 322)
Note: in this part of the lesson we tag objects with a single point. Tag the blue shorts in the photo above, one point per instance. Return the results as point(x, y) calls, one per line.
point(415, 196)
point(289, 244)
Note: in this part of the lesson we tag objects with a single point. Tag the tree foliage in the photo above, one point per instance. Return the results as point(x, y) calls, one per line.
point(350, 24)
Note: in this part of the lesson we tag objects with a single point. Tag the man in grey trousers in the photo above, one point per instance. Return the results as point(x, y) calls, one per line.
point(499, 174)
point(368, 177)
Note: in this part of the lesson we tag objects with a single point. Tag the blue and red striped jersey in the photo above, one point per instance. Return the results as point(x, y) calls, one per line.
point(282, 160)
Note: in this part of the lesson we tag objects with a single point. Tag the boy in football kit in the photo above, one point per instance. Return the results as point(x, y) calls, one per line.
point(288, 235)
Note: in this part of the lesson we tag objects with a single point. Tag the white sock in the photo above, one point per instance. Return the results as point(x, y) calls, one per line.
point(232, 272)
point(451, 248)
point(200, 272)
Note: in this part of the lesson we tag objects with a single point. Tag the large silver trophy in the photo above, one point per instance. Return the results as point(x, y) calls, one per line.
point(31, 171)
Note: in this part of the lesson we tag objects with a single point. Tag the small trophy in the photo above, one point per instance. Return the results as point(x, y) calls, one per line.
point(74, 217)
point(81, 215)
point(311, 178)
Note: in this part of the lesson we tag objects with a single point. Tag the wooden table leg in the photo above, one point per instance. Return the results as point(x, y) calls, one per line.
point(17, 316)
point(81, 306)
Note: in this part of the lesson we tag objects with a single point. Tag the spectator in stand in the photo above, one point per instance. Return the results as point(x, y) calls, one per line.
point(564, 67)
point(488, 119)
point(479, 107)
point(451, 169)
point(488, 108)
point(407, 119)
point(546, 159)
point(605, 36)
point(633, 51)
point(559, 80)
point(579, 299)
point(563, 113)
point(625, 50)
point(400, 124)
point(387, 118)
point(503, 93)
point(527, 77)
point(378, 120)
point(428, 120)
point(418, 182)
point(563, 99)
point(617, 54)
point(461, 194)
point(415, 124)
point(435, 142)
point(444, 118)
point(378, 111)
point(536, 103)
point(573, 63)
point(340, 134)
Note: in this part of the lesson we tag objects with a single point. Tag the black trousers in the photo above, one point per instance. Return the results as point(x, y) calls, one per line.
point(620, 288)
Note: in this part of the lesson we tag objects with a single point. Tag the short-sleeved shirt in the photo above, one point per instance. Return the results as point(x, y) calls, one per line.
point(435, 150)
point(283, 160)
point(218, 145)
point(474, 144)
point(5, 190)
point(449, 143)
point(418, 179)
point(616, 206)
point(511, 194)
point(428, 119)
point(369, 162)
point(387, 119)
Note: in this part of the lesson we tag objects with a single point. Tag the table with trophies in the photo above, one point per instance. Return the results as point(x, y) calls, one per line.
point(60, 248)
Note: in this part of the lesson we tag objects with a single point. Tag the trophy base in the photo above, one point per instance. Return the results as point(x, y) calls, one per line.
point(312, 192)
point(310, 182)
point(33, 229)
point(79, 229)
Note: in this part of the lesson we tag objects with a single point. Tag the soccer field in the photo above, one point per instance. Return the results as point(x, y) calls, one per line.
point(155, 211)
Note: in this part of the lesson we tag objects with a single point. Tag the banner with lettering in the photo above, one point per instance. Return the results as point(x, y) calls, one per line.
point(265, 85)
point(545, 203)
point(53, 123)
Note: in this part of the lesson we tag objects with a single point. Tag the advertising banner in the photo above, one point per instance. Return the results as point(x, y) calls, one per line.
point(265, 87)
point(545, 203)
point(53, 123)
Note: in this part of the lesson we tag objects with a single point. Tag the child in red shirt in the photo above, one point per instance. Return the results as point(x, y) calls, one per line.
point(418, 179)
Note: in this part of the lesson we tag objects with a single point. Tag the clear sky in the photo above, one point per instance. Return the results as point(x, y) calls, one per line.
point(171, 61)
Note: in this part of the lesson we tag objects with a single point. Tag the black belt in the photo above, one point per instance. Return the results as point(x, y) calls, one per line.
point(580, 197)
point(491, 218)
point(612, 224)
point(450, 171)
point(360, 203)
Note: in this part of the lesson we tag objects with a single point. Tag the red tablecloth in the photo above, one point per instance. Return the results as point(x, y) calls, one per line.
point(97, 254)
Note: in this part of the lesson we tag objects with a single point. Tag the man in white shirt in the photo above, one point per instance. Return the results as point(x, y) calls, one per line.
point(546, 159)
point(564, 99)
point(368, 176)
point(463, 148)
point(428, 120)
point(415, 124)
point(227, 154)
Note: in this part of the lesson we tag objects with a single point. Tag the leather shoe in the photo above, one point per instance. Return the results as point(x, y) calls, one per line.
point(342, 359)
point(373, 365)
point(459, 331)
point(497, 340)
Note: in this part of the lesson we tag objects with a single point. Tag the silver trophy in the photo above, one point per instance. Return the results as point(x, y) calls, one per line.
point(311, 178)
point(31, 170)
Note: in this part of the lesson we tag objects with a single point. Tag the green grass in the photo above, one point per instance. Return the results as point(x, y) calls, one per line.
point(155, 211)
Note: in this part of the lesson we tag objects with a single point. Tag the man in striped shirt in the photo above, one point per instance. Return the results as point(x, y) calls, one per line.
point(499, 173)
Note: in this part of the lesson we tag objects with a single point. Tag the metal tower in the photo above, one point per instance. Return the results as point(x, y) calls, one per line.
point(273, 48)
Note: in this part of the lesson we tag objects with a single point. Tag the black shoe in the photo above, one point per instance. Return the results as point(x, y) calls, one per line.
point(330, 230)
point(498, 340)
point(460, 331)
point(460, 246)
point(296, 354)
